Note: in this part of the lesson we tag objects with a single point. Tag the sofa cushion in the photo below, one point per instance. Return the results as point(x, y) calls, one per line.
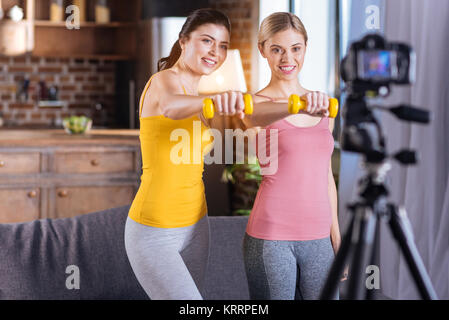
point(226, 277)
point(35, 257)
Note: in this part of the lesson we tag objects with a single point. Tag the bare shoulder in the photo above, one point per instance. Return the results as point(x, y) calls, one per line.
point(162, 83)
point(167, 81)
point(154, 92)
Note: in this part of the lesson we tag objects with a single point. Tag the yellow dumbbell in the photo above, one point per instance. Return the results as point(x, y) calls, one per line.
point(209, 110)
point(296, 104)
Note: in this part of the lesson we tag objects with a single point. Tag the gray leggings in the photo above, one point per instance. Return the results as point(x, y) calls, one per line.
point(287, 270)
point(169, 263)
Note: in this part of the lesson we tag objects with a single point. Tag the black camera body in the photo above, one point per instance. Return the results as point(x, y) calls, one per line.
point(373, 62)
point(370, 67)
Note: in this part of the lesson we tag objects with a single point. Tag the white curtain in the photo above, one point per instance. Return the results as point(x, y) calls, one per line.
point(422, 189)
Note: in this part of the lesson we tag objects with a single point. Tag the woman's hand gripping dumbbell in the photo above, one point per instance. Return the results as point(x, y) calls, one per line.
point(304, 103)
point(228, 103)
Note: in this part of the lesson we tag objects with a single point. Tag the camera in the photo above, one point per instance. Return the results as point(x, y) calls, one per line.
point(370, 67)
point(373, 62)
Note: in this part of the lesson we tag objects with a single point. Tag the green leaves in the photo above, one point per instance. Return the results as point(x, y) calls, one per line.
point(245, 179)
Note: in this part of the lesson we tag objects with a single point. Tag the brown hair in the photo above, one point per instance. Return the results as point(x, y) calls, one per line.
point(196, 19)
point(278, 22)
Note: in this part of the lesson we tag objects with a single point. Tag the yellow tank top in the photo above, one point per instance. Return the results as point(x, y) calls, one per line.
point(171, 192)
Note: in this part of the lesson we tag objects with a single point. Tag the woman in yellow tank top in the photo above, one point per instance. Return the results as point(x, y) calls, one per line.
point(167, 231)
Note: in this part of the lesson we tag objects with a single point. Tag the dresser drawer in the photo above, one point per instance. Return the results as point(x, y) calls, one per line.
point(94, 162)
point(73, 201)
point(20, 163)
point(19, 204)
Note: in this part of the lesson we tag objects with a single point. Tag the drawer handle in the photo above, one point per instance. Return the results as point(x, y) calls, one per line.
point(32, 194)
point(63, 193)
point(95, 162)
point(2, 164)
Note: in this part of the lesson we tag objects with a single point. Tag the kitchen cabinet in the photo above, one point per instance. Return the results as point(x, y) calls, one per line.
point(50, 174)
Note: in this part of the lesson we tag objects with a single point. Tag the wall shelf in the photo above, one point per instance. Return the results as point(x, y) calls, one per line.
point(87, 24)
point(116, 40)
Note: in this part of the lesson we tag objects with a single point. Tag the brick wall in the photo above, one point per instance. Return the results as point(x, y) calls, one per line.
point(243, 20)
point(82, 84)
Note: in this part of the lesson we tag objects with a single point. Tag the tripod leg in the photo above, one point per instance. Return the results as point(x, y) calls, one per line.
point(402, 231)
point(333, 279)
point(366, 221)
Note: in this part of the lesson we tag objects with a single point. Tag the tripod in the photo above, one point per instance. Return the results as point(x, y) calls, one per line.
point(362, 236)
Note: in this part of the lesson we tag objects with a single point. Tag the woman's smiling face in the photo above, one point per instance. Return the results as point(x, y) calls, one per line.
point(206, 48)
point(285, 53)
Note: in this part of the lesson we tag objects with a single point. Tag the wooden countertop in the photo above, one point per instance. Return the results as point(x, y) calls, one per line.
point(13, 137)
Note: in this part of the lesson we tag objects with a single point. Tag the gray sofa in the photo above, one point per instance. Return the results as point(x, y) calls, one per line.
point(34, 257)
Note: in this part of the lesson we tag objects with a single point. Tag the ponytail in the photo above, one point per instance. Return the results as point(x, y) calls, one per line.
point(168, 62)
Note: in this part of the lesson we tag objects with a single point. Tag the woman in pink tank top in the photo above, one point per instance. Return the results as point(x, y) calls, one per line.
point(292, 233)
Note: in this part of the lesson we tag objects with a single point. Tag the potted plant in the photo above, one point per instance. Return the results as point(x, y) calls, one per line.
point(245, 180)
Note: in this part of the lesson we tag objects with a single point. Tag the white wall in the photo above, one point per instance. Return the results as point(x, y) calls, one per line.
point(318, 17)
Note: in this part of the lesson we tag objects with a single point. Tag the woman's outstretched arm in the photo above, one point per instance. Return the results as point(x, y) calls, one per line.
point(165, 96)
point(267, 112)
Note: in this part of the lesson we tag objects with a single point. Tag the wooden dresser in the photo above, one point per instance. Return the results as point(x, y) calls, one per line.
point(50, 174)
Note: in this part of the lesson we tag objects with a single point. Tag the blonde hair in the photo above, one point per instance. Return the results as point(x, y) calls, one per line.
point(278, 22)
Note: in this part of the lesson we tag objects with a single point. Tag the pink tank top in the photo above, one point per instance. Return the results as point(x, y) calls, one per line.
point(293, 203)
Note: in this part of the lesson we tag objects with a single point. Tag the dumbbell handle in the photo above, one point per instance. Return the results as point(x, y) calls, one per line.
point(296, 104)
point(209, 108)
